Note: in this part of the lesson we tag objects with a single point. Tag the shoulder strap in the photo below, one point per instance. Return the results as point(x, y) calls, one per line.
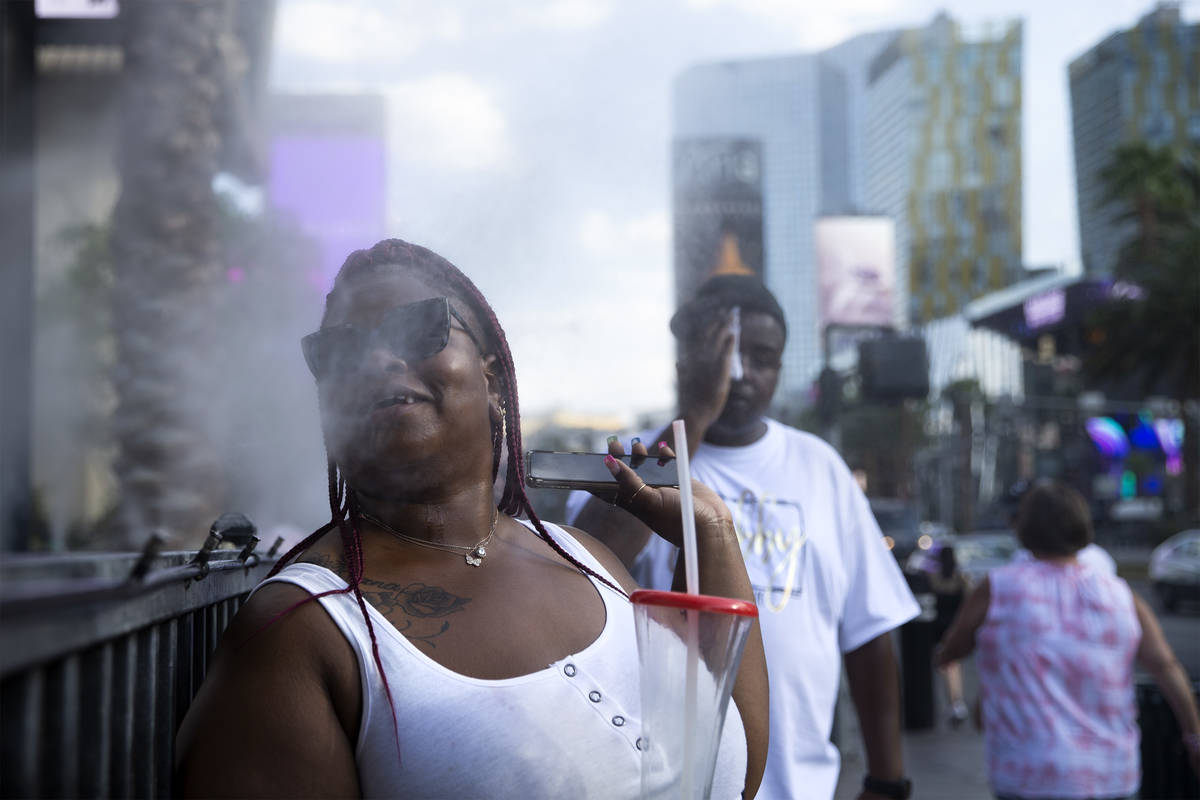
point(312, 578)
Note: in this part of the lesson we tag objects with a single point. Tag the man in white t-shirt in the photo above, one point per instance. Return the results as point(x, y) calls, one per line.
point(828, 590)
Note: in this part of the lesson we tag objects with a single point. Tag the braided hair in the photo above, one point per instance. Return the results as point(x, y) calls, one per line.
point(392, 256)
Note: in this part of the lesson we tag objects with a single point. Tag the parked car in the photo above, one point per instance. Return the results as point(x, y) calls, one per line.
point(898, 521)
point(1175, 569)
point(980, 552)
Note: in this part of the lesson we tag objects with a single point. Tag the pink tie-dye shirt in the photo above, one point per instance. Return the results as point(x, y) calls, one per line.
point(1055, 659)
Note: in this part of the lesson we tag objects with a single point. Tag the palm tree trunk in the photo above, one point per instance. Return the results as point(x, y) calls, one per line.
point(167, 259)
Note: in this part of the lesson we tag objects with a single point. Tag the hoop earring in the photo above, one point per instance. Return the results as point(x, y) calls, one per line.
point(497, 438)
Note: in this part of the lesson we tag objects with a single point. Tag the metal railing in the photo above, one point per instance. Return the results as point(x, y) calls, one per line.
point(100, 656)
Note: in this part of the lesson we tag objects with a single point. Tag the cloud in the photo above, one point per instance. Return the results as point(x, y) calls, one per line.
point(818, 27)
point(506, 17)
point(593, 335)
point(778, 10)
point(393, 32)
point(450, 121)
point(571, 15)
point(603, 346)
point(597, 356)
point(603, 236)
point(344, 32)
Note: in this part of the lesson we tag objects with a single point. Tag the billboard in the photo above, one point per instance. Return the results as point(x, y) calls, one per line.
point(76, 9)
point(1138, 464)
point(718, 210)
point(328, 172)
point(856, 271)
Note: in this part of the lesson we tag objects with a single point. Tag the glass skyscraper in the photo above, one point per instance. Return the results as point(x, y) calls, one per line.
point(803, 113)
point(922, 126)
point(1142, 84)
point(943, 159)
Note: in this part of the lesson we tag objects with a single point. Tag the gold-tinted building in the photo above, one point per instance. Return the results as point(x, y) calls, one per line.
point(943, 159)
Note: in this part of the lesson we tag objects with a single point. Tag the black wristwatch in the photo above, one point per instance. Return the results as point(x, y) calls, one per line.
point(900, 789)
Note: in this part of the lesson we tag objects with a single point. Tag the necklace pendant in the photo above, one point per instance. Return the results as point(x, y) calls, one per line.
point(475, 557)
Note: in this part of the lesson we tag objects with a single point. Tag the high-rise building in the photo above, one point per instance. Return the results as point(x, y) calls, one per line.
point(778, 140)
point(943, 159)
point(1142, 84)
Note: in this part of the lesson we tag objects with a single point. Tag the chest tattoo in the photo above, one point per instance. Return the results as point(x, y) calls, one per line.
point(416, 609)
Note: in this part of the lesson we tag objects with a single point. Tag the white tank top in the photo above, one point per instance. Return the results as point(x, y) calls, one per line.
point(570, 730)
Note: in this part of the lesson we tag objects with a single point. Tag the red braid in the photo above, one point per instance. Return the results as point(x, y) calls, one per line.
point(344, 519)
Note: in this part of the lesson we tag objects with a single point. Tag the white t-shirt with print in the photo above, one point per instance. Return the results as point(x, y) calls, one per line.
point(824, 582)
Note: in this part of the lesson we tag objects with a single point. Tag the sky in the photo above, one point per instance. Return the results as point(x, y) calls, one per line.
point(528, 142)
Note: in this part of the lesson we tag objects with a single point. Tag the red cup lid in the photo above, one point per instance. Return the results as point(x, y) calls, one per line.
point(700, 602)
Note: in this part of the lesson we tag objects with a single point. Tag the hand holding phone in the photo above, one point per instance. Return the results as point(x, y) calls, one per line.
point(546, 469)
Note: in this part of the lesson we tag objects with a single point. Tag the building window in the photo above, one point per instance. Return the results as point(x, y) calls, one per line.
point(1161, 68)
point(974, 171)
point(1002, 91)
point(1157, 128)
point(939, 169)
point(996, 133)
point(1126, 92)
point(1004, 166)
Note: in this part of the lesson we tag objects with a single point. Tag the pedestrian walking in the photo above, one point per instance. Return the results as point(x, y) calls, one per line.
point(949, 585)
point(1057, 641)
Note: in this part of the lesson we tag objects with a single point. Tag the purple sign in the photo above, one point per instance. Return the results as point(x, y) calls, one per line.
point(1046, 308)
point(335, 187)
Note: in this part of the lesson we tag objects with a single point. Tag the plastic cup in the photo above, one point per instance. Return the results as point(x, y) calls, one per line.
point(689, 648)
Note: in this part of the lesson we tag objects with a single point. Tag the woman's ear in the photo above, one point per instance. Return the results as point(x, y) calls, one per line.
point(491, 373)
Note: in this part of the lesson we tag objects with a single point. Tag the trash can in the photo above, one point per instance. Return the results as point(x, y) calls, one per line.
point(1166, 773)
point(917, 640)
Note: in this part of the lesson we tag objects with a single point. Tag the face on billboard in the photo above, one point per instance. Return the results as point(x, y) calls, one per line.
point(856, 268)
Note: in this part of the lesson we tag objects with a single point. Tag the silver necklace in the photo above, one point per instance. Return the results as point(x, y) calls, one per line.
point(472, 554)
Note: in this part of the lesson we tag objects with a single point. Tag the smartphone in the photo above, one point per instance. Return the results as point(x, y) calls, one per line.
point(545, 469)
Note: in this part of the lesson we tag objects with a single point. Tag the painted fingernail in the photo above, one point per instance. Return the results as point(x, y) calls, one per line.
point(634, 440)
point(611, 463)
point(612, 439)
point(661, 445)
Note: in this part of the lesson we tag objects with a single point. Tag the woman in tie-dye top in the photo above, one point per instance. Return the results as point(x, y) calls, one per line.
point(1057, 643)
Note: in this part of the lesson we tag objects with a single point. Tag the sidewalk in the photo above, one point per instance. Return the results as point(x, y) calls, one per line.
point(944, 763)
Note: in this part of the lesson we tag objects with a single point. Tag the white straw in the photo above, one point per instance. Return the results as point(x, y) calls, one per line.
point(692, 572)
point(690, 567)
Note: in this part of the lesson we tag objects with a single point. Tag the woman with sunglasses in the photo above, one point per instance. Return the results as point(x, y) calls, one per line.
point(425, 642)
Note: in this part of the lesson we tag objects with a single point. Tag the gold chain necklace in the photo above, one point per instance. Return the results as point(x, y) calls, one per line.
point(473, 554)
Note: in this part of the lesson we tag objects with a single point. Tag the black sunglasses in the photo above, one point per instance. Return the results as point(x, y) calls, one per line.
point(413, 332)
